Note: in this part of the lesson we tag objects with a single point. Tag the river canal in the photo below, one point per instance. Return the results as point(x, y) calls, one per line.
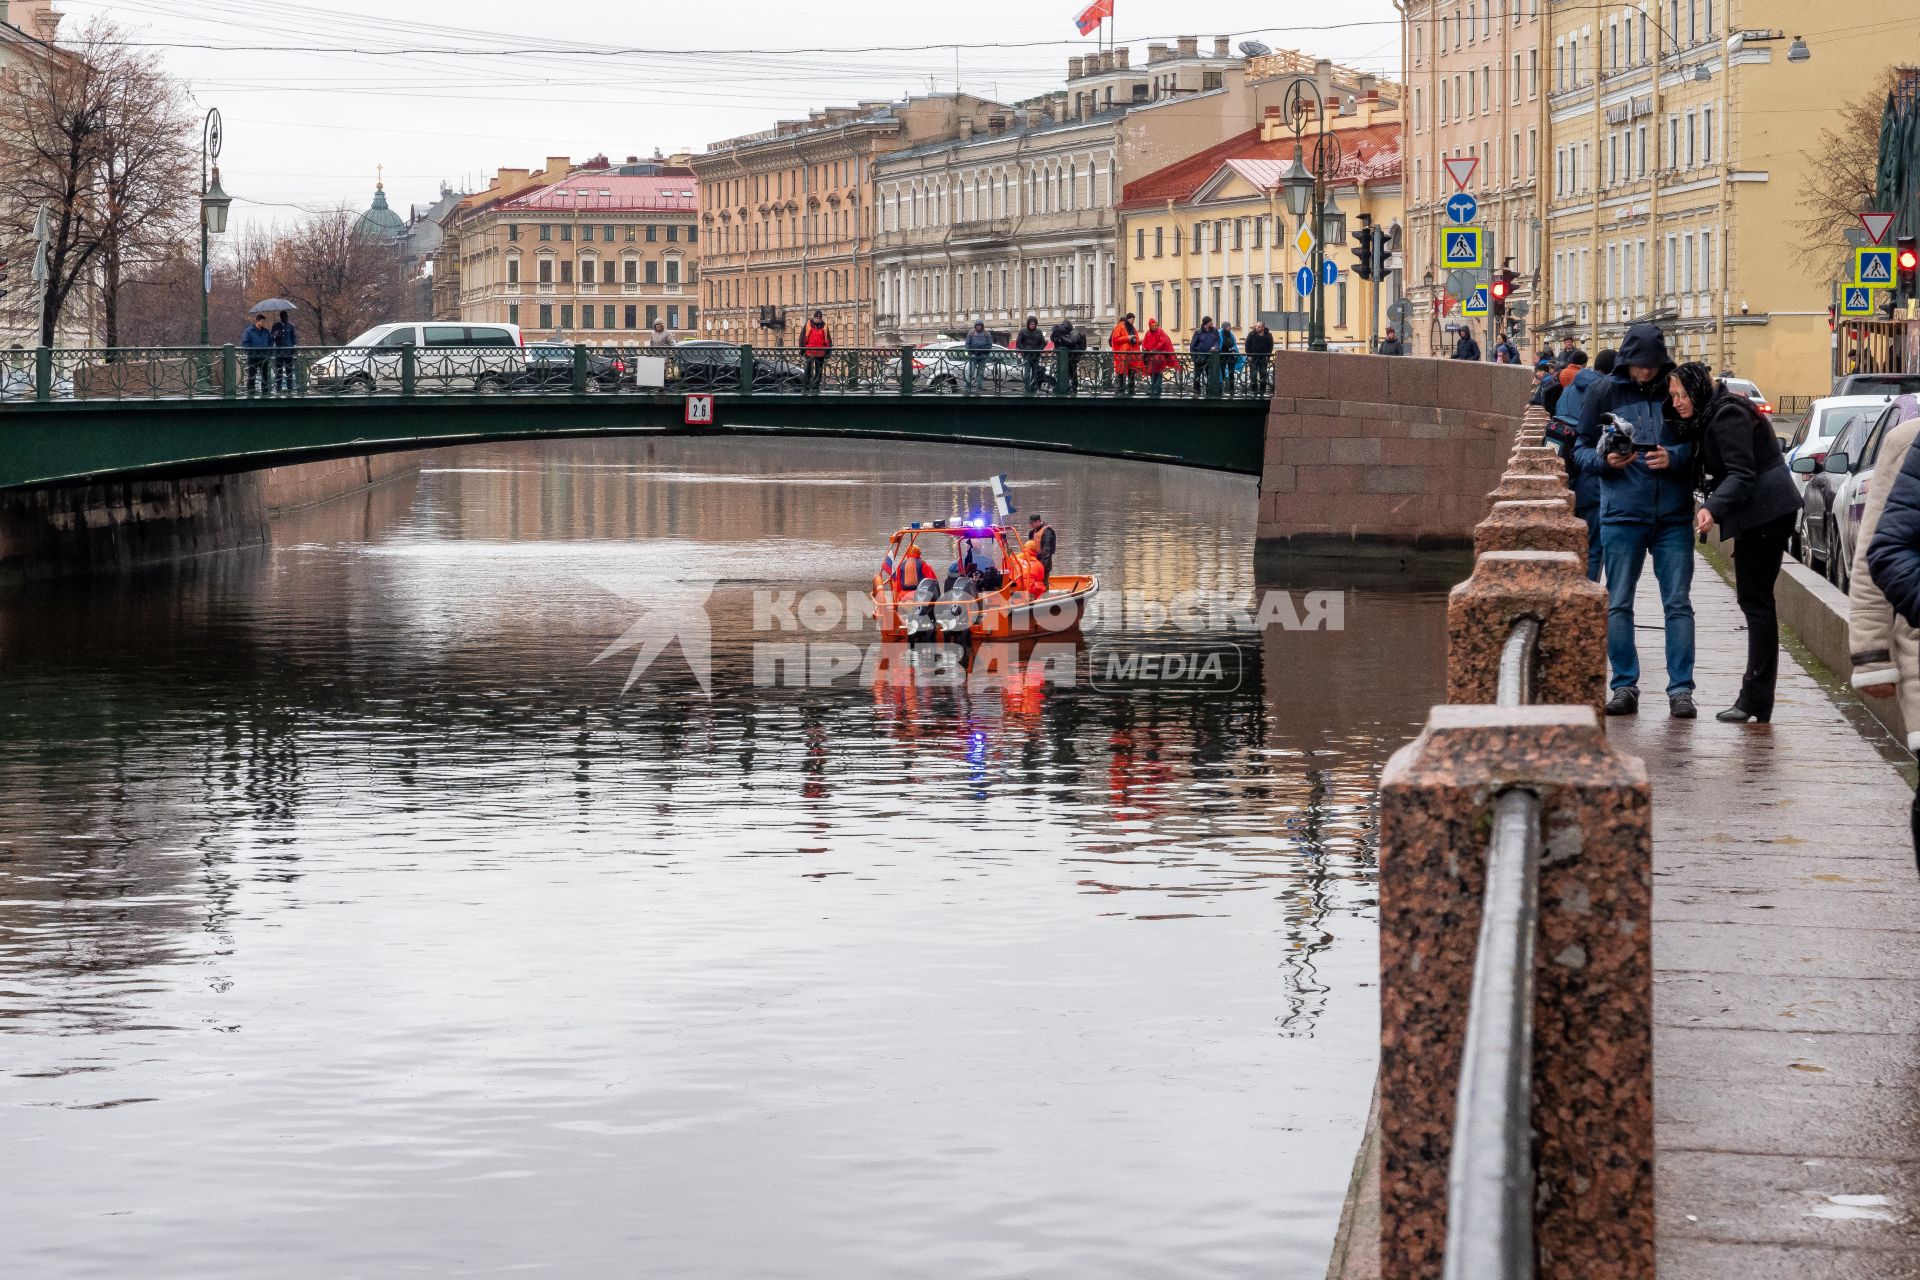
point(357, 922)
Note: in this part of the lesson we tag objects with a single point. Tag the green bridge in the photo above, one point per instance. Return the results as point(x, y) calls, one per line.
point(78, 416)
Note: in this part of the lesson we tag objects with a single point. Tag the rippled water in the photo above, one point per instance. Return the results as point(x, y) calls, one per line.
point(355, 922)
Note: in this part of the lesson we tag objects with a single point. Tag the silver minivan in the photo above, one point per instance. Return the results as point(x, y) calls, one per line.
point(486, 358)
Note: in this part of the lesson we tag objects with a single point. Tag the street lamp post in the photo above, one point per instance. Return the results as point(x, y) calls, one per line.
point(1305, 189)
point(213, 204)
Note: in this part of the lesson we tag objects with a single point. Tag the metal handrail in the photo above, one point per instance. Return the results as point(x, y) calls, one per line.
point(1490, 1173)
point(1490, 1170)
point(1517, 661)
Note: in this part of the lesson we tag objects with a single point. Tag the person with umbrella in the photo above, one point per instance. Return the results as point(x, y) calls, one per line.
point(285, 338)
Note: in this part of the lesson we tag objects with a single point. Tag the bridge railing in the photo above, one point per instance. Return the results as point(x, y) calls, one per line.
point(1515, 868)
point(230, 373)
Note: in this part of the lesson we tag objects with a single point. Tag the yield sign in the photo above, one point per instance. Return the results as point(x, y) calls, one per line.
point(1877, 225)
point(1460, 169)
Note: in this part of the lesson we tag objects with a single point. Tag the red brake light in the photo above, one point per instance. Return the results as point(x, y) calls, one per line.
point(1764, 407)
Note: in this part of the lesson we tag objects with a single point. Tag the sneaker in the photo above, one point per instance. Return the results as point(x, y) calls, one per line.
point(1680, 706)
point(1624, 702)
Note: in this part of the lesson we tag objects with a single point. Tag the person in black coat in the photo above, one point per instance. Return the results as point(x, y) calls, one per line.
point(1751, 496)
point(1466, 348)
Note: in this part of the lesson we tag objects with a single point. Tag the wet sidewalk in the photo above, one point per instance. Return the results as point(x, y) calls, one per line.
point(1787, 977)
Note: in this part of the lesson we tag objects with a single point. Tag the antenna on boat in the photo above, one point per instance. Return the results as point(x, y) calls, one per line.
point(1002, 497)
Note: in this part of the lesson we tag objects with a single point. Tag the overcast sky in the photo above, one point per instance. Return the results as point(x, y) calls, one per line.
point(305, 128)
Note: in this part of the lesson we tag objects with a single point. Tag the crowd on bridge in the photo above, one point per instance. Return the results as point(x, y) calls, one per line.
point(1660, 452)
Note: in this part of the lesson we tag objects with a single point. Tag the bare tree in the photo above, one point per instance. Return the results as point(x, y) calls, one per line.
point(98, 135)
point(343, 281)
point(1840, 174)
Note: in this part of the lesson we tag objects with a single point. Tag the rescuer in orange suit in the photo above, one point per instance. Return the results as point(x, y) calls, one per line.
point(908, 574)
point(1125, 341)
point(1036, 572)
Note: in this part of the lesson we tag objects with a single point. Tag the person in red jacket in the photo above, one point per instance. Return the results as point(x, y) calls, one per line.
point(1157, 354)
point(815, 343)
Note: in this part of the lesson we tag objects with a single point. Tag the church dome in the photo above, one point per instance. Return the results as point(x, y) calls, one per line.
point(380, 222)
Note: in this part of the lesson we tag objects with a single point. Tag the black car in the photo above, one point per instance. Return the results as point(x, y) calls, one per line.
point(707, 364)
point(1877, 384)
point(550, 368)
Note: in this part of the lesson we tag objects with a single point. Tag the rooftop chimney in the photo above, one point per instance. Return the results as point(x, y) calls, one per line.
point(1323, 77)
point(966, 127)
point(1075, 67)
point(1120, 58)
point(1221, 47)
point(1189, 46)
point(1156, 53)
point(1033, 117)
point(1370, 90)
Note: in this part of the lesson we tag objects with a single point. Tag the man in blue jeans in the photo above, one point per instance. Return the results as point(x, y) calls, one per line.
point(1646, 507)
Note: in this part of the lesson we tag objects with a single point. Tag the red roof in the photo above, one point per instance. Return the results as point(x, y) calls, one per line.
point(1371, 153)
point(604, 192)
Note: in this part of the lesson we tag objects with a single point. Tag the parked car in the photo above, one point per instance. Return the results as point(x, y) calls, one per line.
point(942, 366)
point(1826, 418)
point(1744, 387)
point(447, 357)
point(550, 368)
point(1837, 488)
point(707, 364)
point(1876, 384)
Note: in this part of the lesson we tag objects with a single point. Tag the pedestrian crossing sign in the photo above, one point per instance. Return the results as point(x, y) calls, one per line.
point(1476, 303)
point(1873, 266)
point(1460, 247)
point(1856, 300)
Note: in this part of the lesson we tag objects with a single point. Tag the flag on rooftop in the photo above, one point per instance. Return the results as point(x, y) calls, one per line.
point(1093, 15)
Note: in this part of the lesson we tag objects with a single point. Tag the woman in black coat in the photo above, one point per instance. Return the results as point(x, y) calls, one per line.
point(1751, 496)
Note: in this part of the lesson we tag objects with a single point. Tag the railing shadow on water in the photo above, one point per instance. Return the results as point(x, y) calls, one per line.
point(45, 375)
point(1515, 867)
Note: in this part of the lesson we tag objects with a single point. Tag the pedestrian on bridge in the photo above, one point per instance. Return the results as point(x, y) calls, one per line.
point(1205, 350)
point(285, 338)
point(1882, 598)
point(1156, 355)
point(1646, 509)
point(660, 340)
point(1229, 353)
point(1064, 340)
point(257, 341)
point(979, 347)
point(1466, 348)
point(1389, 345)
point(1751, 496)
point(1260, 357)
point(1125, 343)
point(1563, 433)
point(816, 342)
point(1030, 342)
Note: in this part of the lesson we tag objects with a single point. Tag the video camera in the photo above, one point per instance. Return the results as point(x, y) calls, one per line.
point(1616, 438)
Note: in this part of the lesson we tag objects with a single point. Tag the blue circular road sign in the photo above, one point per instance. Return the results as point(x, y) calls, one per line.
point(1462, 207)
point(1330, 272)
point(1303, 281)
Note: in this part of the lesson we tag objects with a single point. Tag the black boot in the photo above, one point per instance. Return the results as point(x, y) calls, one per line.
point(1624, 702)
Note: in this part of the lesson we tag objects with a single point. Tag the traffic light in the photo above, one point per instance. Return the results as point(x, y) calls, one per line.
point(1500, 290)
point(1364, 251)
point(1905, 259)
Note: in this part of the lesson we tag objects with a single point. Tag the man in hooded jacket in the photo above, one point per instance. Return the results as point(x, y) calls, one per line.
point(1030, 342)
point(1646, 508)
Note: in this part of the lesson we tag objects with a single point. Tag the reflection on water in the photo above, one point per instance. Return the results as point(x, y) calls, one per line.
point(356, 923)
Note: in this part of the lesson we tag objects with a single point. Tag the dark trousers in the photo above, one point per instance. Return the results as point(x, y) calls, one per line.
point(1592, 517)
point(816, 366)
point(1757, 554)
point(1914, 821)
point(257, 377)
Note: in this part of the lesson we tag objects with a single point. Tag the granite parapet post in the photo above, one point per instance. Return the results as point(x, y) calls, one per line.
point(1551, 586)
point(1592, 1098)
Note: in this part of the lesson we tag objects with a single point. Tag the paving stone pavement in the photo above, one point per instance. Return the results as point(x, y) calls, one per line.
point(1786, 953)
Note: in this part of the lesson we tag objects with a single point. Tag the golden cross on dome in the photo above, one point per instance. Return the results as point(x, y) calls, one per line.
point(379, 177)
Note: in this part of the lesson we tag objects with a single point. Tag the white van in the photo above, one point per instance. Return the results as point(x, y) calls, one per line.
point(487, 358)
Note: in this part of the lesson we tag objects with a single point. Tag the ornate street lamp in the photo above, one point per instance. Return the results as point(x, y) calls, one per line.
point(1305, 188)
point(1296, 184)
point(213, 204)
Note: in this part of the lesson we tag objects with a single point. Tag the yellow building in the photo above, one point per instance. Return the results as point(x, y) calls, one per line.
point(1211, 235)
point(1679, 141)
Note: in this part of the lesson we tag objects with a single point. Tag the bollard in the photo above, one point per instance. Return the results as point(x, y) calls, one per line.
point(1549, 585)
point(1518, 485)
point(1536, 524)
point(1592, 1088)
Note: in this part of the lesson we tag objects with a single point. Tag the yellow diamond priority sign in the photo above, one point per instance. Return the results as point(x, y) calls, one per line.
point(1304, 241)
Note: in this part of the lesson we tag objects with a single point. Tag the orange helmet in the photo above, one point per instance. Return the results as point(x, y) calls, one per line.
point(1031, 547)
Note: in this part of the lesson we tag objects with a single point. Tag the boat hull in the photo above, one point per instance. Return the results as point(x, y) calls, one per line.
point(997, 615)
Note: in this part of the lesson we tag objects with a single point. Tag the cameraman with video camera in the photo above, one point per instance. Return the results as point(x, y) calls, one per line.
point(1630, 438)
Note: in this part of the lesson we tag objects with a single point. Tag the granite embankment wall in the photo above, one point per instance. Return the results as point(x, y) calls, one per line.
point(95, 528)
point(1383, 458)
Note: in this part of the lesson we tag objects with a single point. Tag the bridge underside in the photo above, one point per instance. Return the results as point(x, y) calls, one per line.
point(106, 440)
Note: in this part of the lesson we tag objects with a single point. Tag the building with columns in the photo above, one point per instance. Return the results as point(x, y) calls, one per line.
point(1473, 82)
point(788, 216)
point(1211, 236)
point(1014, 213)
